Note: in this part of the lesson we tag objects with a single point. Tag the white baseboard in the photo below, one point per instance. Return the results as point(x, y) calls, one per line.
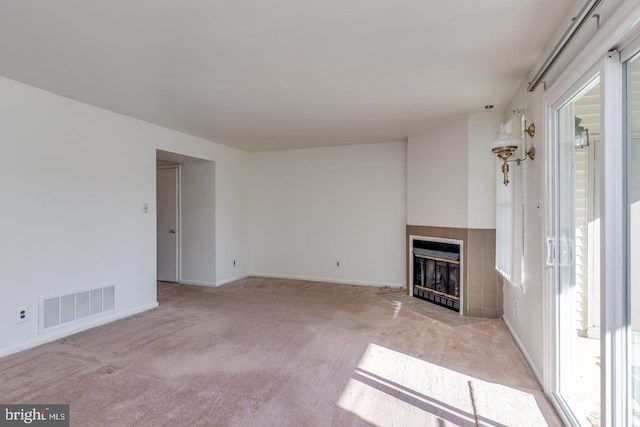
point(74, 329)
point(196, 283)
point(290, 277)
point(320, 279)
point(524, 351)
point(232, 279)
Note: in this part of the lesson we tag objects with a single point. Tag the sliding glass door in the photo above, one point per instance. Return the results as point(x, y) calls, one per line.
point(592, 280)
point(632, 90)
point(577, 284)
point(594, 245)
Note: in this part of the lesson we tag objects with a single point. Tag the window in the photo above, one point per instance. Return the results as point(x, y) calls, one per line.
point(510, 213)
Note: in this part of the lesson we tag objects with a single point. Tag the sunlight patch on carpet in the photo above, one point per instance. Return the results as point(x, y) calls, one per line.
point(392, 388)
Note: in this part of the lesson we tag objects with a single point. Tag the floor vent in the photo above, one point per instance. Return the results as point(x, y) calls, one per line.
point(61, 310)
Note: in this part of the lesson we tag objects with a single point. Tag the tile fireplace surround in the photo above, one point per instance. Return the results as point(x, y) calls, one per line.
point(482, 286)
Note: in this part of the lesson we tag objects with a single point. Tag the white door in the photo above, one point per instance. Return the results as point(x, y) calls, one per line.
point(167, 221)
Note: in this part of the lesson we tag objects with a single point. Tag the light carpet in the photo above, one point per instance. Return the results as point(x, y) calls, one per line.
point(271, 352)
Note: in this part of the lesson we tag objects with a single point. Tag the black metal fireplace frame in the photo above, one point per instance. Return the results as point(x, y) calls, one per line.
point(441, 283)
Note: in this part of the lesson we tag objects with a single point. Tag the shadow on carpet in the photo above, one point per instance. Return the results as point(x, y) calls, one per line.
point(430, 310)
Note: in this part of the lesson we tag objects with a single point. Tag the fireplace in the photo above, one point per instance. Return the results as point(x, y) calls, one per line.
point(436, 272)
point(480, 286)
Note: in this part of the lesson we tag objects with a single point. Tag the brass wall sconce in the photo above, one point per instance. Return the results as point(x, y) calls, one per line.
point(505, 146)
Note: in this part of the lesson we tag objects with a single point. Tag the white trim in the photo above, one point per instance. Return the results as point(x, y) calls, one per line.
point(613, 241)
point(536, 372)
point(179, 222)
point(565, 413)
point(524, 351)
point(626, 333)
point(232, 279)
point(549, 319)
point(61, 333)
point(553, 102)
point(196, 283)
point(324, 280)
point(413, 237)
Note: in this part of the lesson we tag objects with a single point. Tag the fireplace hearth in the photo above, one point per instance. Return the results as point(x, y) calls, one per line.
point(436, 273)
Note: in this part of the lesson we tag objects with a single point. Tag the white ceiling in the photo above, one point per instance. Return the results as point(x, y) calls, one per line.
point(277, 74)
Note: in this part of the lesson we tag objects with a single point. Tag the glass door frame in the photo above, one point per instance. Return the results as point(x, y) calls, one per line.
point(557, 296)
point(615, 317)
point(615, 321)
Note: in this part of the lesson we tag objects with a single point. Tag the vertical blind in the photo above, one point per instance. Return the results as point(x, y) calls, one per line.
point(504, 226)
point(504, 221)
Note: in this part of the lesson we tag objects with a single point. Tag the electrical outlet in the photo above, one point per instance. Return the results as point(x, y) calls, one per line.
point(234, 262)
point(517, 308)
point(145, 208)
point(22, 314)
point(337, 264)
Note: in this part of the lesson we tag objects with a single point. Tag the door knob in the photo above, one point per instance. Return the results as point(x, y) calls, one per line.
point(172, 231)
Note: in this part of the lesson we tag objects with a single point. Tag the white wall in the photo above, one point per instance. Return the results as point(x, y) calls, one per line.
point(197, 219)
point(451, 174)
point(314, 207)
point(73, 181)
point(233, 210)
point(438, 177)
point(232, 200)
point(482, 170)
point(527, 325)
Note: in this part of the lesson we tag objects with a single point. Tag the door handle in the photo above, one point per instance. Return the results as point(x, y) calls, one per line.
point(565, 252)
point(551, 251)
point(172, 231)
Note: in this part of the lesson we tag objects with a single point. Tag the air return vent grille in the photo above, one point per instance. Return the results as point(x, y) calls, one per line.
point(64, 309)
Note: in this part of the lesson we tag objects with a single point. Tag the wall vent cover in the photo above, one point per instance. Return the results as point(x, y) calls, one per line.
point(61, 310)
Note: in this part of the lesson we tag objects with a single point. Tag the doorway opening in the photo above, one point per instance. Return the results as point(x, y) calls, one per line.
point(185, 219)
